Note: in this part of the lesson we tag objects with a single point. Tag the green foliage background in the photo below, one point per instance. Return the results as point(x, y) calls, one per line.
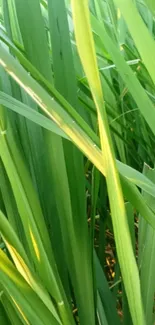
point(77, 136)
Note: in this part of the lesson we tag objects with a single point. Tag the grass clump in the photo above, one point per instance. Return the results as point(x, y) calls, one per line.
point(77, 181)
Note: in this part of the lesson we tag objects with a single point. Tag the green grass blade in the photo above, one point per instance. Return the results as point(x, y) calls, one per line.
point(31, 114)
point(22, 263)
point(127, 263)
point(151, 5)
point(13, 314)
point(22, 295)
point(141, 36)
point(42, 255)
point(143, 102)
point(105, 294)
point(146, 258)
point(65, 83)
point(62, 119)
point(3, 316)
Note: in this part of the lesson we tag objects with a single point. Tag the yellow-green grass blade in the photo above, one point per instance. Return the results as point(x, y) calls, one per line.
point(64, 121)
point(24, 128)
point(57, 155)
point(129, 189)
point(57, 166)
point(36, 148)
point(144, 104)
point(38, 77)
point(31, 114)
point(20, 195)
point(46, 102)
point(23, 264)
point(31, 136)
point(28, 84)
point(136, 177)
point(23, 297)
point(44, 263)
point(11, 311)
point(32, 94)
point(122, 236)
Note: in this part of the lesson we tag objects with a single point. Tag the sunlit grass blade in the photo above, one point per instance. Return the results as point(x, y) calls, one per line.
point(58, 115)
point(13, 315)
point(30, 114)
point(41, 252)
point(22, 263)
point(144, 103)
point(22, 296)
point(127, 263)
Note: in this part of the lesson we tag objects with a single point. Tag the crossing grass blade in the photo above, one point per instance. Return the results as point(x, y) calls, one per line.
point(127, 263)
point(64, 121)
point(144, 104)
point(34, 116)
point(73, 127)
point(12, 313)
point(19, 291)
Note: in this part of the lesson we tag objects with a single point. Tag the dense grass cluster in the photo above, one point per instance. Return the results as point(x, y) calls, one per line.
point(77, 178)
